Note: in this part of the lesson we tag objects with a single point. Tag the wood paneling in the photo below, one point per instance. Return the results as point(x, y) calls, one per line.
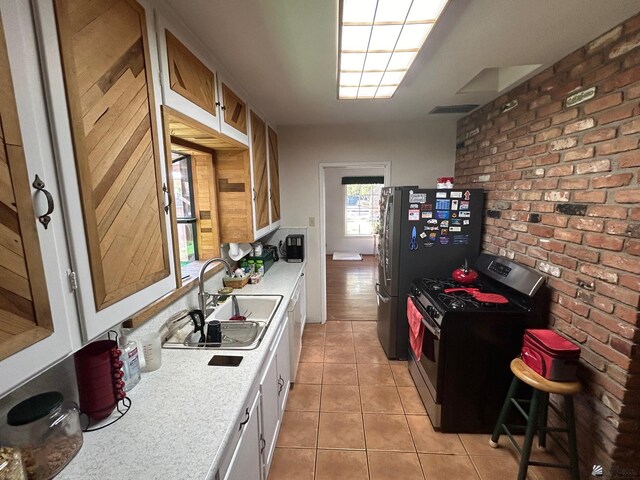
point(25, 315)
point(260, 178)
point(274, 176)
point(234, 198)
point(188, 131)
point(106, 66)
point(235, 109)
point(204, 178)
point(189, 77)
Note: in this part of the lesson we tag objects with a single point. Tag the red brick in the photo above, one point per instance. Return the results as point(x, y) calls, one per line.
point(604, 242)
point(616, 228)
point(620, 261)
point(590, 197)
point(609, 353)
point(629, 159)
point(579, 126)
point(560, 171)
point(536, 150)
point(560, 312)
point(620, 293)
point(629, 315)
point(561, 285)
point(615, 115)
point(541, 231)
point(602, 103)
point(619, 145)
point(551, 245)
point(613, 325)
point(537, 253)
point(568, 236)
point(525, 141)
point(515, 154)
point(601, 73)
point(607, 211)
point(596, 361)
point(574, 183)
point(627, 196)
point(527, 239)
point(564, 144)
point(604, 40)
point(590, 62)
point(526, 206)
point(551, 109)
point(599, 135)
point(579, 154)
point(592, 329)
point(523, 259)
point(630, 127)
point(565, 117)
point(624, 347)
point(570, 60)
point(599, 272)
point(610, 181)
point(545, 184)
point(540, 101)
point(540, 125)
point(562, 261)
point(625, 46)
point(633, 247)
point(548, 159)
point(634, 213)
point(548, 134)
point(630, 281)
point(582, 253)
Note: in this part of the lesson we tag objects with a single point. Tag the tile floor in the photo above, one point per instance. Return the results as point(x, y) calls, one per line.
point(355, 415)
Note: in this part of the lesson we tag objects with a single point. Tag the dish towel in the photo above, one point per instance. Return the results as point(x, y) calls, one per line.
point(416, 328)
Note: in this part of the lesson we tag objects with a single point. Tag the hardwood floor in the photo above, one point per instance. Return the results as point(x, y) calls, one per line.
point(350, 289)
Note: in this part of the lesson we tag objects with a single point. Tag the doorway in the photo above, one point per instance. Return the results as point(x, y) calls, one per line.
point(348, 216)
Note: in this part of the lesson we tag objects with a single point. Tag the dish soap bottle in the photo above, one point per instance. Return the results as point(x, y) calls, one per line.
point(130, 361)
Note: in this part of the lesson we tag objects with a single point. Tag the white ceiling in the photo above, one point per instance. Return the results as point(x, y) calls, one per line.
point(283, 52)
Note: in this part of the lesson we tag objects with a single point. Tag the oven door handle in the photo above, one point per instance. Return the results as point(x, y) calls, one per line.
point(382, 298)
point(435, 331)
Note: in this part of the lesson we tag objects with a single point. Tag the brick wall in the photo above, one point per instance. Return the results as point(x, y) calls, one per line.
point(563, 197)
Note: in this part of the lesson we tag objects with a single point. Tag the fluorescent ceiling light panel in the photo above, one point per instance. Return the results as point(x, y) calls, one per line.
point(379, 39)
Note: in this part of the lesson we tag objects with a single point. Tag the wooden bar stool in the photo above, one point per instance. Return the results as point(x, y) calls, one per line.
point(537, 418)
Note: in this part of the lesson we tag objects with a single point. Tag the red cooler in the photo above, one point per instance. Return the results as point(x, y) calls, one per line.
point(550, 355)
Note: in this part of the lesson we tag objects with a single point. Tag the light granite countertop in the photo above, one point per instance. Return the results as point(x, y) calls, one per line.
point(183, 414)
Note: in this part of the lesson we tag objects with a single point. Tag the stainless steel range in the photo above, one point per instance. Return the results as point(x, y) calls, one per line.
point(471, 333)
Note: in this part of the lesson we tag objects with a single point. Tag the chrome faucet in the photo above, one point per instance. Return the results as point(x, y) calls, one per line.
point(202, 295)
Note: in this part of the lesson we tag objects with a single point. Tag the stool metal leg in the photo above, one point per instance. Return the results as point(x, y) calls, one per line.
point(544, 410)
point(504, 413)
point(571, 435)
point(532, 425)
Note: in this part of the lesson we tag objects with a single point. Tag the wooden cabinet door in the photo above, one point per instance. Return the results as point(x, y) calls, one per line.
point(274, 176)
point(25, 314)
point(234, 109)
point(189, 77)
point(107, 73)
point(260, 176)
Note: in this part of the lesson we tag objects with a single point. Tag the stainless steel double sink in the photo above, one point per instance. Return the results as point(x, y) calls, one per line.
point(259, 311)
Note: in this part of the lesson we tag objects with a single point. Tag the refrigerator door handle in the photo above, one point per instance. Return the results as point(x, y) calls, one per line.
point(382, 298)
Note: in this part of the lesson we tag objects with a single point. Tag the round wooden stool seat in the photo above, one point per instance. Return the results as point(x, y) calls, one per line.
point(531, 378)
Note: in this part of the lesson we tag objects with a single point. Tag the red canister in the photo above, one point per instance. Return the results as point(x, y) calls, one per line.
point(550, 355)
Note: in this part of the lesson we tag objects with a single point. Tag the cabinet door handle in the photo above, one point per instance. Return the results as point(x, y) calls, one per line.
point(165, 189)
point(39, 186)
point(217, 104)
point(223, 107)
point(254, 195)
point(263, 443)
point(281, 384)
point(242, 424)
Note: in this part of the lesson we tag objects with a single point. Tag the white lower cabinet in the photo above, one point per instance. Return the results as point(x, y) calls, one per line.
point(245, 462)
point(251, 451)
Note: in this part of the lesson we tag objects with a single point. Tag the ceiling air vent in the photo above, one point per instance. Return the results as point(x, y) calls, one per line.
point(466, 108)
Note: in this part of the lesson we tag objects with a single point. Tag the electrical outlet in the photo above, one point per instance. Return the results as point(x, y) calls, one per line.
point(312, 221)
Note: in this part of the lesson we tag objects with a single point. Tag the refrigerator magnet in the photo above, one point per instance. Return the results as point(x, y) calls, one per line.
point(442, 214)
point(467, 195)
point(426, 214)
point(464, 214)
point(423, 235)
point(464, 205)
point(455, 229)
point(442, 204)
point(454, 204)
point(465, 222)
point(444, 240)
point(441, 194)
point(426, 206)
point(417, 197)
point(414, 215)
point(461, 239)
point(455, 194)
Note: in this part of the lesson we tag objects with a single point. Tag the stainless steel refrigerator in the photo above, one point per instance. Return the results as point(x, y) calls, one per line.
point(423, 233)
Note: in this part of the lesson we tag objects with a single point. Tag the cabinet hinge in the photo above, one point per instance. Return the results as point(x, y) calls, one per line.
point(73, 280)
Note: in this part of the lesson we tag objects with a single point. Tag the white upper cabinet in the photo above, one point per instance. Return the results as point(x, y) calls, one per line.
point(38, 319)
point(104, 100)
point(192, 85)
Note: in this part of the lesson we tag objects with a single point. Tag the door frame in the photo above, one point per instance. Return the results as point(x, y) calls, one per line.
point(323, 241)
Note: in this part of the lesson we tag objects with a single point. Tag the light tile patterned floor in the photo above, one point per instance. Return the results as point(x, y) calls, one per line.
point(355, 415)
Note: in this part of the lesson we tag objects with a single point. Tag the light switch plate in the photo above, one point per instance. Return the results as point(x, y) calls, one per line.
point(312, 221)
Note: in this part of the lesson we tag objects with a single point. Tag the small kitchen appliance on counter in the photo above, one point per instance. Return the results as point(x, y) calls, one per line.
point(295, 248)
point(471, 333)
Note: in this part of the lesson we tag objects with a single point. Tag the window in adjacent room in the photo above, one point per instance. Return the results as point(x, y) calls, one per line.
point(362, 205)
point(182, 174)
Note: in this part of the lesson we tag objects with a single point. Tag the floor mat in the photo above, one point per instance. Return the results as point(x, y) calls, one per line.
point(346, 256)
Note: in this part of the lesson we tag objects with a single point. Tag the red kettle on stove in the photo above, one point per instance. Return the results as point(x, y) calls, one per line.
point(464, 274)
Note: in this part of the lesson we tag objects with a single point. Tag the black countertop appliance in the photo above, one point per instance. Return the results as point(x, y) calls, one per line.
point(294, 245)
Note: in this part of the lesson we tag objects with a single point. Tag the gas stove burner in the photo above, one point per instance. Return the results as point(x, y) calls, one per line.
point(437, 285)
point(456, 303)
